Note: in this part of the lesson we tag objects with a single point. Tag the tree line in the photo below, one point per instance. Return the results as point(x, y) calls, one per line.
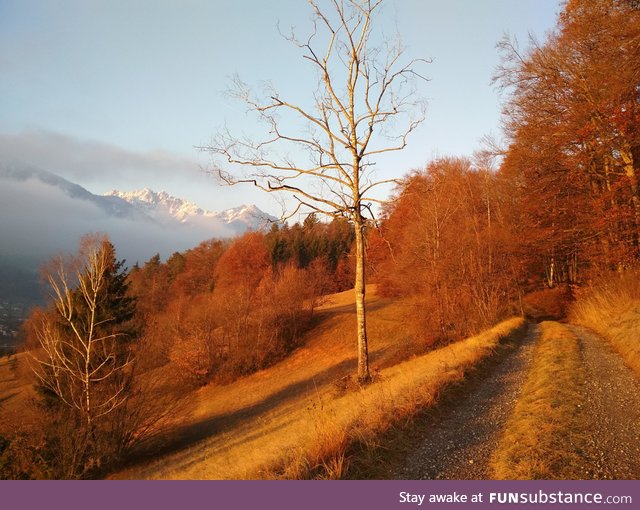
point(225, 309)
point(571, 121)
point(562, 207)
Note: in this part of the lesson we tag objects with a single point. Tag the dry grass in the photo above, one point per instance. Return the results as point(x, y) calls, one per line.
point(613, 310)
point(360, 418)
point(16, 392)
point(543, 436)
point(299, 418)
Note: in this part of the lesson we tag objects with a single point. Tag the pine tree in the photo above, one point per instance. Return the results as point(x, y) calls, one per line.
point(85, 337)
point(116, 307)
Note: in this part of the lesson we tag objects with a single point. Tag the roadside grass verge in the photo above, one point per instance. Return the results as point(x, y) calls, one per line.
point(543, 437)
point(343, 425)
point(612, 309)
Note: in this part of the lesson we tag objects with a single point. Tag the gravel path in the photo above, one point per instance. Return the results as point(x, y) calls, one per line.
point(612, 400)
point(462, 438)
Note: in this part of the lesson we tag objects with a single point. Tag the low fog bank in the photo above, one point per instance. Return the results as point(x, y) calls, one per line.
point(38, 220)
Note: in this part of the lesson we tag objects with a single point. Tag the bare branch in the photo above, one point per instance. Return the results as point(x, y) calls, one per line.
point(362, 92)
point(73, 358)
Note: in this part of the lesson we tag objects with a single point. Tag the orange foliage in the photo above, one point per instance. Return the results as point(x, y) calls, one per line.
point(574, 144)
point(197, 275)
point(448, 243)
point(244, 263)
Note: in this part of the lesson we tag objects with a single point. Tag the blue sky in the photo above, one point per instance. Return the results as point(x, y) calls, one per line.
point(115, 94)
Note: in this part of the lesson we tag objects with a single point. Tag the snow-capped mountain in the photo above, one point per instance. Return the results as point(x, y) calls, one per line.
point(158, 205)
point(161, 207)
point(42, 214)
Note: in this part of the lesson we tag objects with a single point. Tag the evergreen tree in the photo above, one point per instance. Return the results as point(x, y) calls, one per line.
point(116, 307)
point(84, 362)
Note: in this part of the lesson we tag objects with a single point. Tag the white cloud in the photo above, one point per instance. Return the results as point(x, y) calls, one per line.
point(87, 161)
point(101, 167)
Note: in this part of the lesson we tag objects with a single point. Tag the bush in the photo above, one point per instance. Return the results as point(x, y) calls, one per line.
point(238, 330)
point(548, 304)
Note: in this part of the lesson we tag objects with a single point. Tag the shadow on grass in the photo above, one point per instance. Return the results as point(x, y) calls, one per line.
point(189, 435)
point(8, 397)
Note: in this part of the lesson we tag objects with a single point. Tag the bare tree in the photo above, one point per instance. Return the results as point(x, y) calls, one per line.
point(365, 105)
point(78, 358)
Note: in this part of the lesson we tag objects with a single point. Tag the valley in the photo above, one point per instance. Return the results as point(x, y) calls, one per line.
point(55, 213)
point(12, 316)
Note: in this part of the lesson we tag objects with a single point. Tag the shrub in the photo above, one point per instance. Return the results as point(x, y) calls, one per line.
point(548, 304)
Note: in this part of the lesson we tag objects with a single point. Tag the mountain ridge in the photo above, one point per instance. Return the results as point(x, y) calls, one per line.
point(157, 204)
point(43, 214)
point(145, 204)
point(22, 173)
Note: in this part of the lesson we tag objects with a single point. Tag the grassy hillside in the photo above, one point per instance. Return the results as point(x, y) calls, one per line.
point(15, 393)
point(302, 417)
point(298, 418)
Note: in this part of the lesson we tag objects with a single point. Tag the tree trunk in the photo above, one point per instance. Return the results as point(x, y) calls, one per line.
point(630, 172)
point(363, 348)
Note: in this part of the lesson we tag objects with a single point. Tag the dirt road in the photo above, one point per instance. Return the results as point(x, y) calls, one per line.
point(612, 401)
point(462, 438)
point(459, 441)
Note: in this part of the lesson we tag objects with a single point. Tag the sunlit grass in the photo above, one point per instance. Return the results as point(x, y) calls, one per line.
point(16, 392)
point(302, 417)
point(299, 418)
point(543, 437)
point(361, 417)
point(613, 310)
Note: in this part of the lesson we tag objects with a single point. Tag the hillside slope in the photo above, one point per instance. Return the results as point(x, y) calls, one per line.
point(289, 420)
point(260, 404)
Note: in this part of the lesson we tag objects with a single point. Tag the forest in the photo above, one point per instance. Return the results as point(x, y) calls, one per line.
point(524, 227)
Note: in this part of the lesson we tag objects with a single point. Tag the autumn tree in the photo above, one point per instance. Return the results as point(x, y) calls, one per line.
point(193, 272)
point(255, 314)
point(448, 243)
point(572, 120)
point(365, 93)
point(82, 357)
point(150, 285)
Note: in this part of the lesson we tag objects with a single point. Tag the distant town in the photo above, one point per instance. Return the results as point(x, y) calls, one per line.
point(12, 316)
